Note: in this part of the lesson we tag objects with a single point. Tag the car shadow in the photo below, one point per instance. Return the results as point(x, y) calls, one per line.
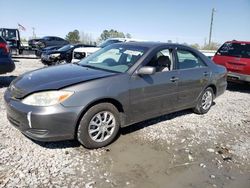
point(6, 80)
point(147, 123)
point(239, 87)
point(58, 144)
point(123, 131)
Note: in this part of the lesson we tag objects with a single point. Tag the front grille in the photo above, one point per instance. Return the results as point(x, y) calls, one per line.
point(79, 55)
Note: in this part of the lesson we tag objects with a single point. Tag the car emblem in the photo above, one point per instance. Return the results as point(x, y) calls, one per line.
point(237, 58)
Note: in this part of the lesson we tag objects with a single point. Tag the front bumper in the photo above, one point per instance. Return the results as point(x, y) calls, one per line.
point(6, 65)
point(232, 76)
point(53, 123)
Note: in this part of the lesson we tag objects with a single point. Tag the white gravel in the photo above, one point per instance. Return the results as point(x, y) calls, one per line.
point(227, 122)
point(23, 163)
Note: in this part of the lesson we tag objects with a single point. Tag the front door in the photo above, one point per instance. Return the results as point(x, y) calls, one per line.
point(153, 95)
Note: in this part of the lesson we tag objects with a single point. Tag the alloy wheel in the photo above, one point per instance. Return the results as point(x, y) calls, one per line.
point(101, 126)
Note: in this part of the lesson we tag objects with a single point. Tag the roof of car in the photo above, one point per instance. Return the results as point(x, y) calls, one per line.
point(151, 44)
point(52, 36)
point(237, 41)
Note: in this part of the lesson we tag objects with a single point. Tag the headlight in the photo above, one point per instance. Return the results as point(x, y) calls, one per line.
point(47, 98)
point(55, 55)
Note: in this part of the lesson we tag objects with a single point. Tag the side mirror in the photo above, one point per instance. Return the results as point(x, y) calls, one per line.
point(146, 70)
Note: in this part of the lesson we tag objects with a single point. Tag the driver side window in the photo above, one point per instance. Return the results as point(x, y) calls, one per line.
point(162, 61)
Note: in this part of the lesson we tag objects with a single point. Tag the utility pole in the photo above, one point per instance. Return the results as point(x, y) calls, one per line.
point(211, 26)
point(34, 34)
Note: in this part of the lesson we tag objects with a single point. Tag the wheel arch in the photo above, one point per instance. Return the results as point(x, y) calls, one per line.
point(112, 101)
point(213, 87)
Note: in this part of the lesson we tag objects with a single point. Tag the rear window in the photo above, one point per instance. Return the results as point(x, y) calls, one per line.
point(235, 50)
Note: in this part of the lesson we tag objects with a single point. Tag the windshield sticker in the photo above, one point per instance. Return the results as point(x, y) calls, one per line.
point(133, 53)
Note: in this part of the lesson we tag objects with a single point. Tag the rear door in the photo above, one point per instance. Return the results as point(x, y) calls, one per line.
point(193, 76)
point(153, 95)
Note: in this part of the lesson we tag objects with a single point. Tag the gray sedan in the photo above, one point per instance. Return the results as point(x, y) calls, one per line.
point(117, 86)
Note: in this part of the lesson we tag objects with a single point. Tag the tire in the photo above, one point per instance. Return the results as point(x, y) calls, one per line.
point(203, 107)
point(90, 126)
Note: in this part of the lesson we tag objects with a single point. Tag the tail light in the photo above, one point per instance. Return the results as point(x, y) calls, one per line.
point(5, 47)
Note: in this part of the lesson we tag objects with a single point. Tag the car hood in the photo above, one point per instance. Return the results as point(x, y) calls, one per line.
point(87, 49)
point(54, 52)
point(54, 78)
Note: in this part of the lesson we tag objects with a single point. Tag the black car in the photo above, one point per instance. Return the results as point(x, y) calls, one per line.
point(115, 87)
point(60, 55)
point(47, 41)
point(6, 63)
point(39, 52)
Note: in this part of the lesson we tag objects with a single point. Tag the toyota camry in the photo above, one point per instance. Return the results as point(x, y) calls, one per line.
point(117, 86)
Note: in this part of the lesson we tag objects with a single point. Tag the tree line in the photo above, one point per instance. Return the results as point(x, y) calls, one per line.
point(86, 38)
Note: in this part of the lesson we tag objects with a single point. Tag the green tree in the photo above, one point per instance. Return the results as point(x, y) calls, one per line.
point(73, 36)
point(112, 34)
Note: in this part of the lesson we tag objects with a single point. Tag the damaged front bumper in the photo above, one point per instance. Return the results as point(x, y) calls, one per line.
point(53, 123)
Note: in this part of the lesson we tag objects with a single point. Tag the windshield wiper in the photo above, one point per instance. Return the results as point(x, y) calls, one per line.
point(98, 68)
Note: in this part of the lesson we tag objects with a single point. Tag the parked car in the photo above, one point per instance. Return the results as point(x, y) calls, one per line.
point(117, 86)
point(6, 63)
point(63, 54)
point(235, 56)
point(13, 39)
point(47, 41)
point(46, 50)
point(80, 53)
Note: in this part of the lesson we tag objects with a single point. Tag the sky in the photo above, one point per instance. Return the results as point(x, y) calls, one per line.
point(155, 20)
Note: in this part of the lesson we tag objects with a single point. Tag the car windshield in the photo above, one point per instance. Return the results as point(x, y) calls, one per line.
point(108, 42)
point(235, 50)
point(114, 58)
point(65, 48)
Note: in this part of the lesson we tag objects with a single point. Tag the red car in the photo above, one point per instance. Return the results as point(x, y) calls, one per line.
point(235, 56)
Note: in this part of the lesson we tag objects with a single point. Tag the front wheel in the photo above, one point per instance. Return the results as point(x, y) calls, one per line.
point(205, 101)
point(99, 126)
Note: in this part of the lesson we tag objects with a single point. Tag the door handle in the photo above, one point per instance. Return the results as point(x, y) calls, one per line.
point(206, 73)
point(174, 79)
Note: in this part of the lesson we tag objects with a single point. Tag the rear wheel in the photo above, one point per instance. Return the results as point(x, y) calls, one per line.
point(205, 101)
point(99, 126)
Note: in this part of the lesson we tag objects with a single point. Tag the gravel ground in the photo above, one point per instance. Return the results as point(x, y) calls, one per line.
point(177, 150)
